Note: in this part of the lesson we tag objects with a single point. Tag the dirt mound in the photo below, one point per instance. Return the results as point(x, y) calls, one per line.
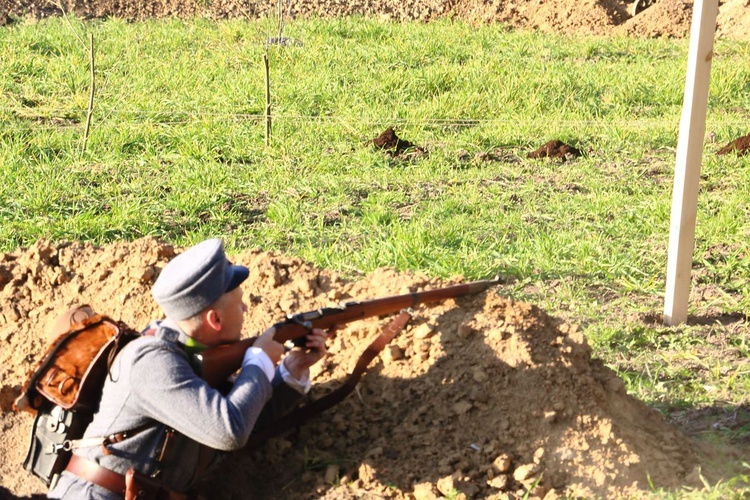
point(669, 18)
point(480, 395)
point(395, 146)
point(594, 17)
point(666, 18)
point(734, 19)
point(740, 146)
point(555, 149)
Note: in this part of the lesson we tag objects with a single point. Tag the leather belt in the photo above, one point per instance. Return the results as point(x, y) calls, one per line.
point(96, 474)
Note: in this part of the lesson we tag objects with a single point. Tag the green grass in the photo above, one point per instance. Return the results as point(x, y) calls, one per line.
point(177, 152)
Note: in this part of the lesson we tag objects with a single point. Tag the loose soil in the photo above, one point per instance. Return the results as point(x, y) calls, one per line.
point(555, 149)
point(739, 146)
point(666, 18)
point(394, 146)
point(481, 395)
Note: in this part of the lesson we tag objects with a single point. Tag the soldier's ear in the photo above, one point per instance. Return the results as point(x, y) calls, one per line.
point(213, 319)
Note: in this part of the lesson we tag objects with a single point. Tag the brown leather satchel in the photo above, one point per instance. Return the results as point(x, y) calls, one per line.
point(65, 387)
point(72, 371)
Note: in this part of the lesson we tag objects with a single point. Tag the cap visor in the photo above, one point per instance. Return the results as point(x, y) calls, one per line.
point(239, 274)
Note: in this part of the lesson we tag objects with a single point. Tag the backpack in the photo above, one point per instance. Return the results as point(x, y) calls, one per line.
point(64, 389)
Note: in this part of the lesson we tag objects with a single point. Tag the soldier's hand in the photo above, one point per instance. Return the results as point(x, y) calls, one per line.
point(300, 359)
point(273, 349)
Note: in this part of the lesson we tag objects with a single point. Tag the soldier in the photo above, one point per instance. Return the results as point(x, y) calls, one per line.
point(162, 425)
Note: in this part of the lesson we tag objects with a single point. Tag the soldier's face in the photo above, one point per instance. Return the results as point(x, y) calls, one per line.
point(231, 310)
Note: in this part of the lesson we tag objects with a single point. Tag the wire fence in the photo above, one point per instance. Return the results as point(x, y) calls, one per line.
point(50, 114)
point(38, 119)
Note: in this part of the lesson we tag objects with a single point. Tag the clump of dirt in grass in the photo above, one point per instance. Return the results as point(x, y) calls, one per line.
point(483, 395)
point(740, 146)
point(555, 149)
point(392, 144)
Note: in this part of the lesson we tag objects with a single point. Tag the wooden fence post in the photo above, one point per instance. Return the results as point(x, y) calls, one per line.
point(688, 161)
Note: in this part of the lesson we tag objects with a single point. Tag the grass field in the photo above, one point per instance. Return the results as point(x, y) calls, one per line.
point(177, 151)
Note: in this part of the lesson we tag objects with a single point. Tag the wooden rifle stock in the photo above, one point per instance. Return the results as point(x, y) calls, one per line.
point(217, 364)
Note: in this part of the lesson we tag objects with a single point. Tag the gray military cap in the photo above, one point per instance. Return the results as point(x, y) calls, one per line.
point(195, 279)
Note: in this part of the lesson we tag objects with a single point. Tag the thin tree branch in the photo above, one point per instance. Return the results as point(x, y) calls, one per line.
point(268, 98)
point(90, 112)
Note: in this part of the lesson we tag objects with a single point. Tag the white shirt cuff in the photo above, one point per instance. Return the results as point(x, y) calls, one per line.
point(255, 356)
point(302, 386)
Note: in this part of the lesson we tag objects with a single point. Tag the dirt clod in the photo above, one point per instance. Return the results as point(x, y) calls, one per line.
point(555, 149)
point(519, 403)
point(394, 145)
point(740, 146)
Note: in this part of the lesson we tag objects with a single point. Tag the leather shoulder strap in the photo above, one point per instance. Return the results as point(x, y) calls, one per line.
point(303, 413)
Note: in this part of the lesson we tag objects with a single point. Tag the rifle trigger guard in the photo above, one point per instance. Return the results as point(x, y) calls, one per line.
point(307, 325)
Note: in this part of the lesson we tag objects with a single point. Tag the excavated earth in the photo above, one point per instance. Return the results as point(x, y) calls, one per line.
point(666, 18)
point(481, 396)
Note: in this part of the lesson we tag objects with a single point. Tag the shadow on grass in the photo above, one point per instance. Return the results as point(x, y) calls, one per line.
point(657, 319)
point(721, 434)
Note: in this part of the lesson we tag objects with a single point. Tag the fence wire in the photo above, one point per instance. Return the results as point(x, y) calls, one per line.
point(67, 119)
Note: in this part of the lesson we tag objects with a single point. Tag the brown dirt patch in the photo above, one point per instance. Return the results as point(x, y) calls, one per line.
point(389, 142)
point(482, 395)
point(666, 18)
point(741, 146)
point(555, 149)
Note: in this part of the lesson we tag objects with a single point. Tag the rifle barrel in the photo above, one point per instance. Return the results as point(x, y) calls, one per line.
point(217, 364)
point(299, 325)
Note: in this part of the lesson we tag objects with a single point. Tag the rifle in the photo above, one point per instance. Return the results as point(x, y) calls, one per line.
point(217, 364)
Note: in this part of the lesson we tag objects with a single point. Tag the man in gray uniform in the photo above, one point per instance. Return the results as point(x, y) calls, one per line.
point(152, 388)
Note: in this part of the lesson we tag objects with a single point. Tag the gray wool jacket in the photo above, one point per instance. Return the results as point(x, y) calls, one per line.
point(153, 386)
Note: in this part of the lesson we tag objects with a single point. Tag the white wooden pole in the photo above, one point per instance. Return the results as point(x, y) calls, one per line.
point(688, 161)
